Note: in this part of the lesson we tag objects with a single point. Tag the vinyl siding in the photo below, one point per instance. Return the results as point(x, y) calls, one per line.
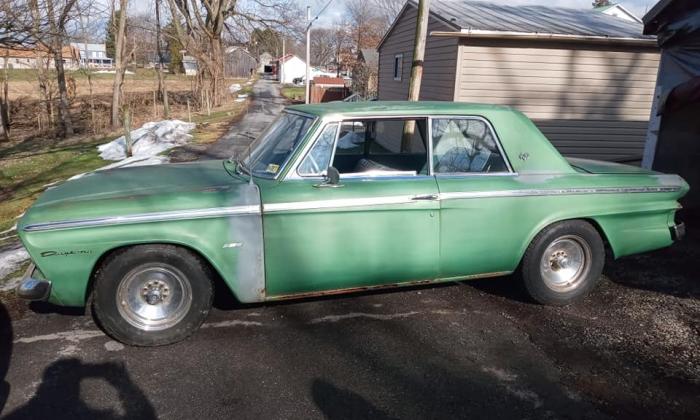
point(440, 64)
point(590, 101)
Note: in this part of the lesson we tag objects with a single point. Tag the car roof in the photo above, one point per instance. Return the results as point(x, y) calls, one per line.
point(373, 108)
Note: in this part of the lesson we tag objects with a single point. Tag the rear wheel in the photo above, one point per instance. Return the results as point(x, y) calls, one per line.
point(563, 263)
point(151, 295)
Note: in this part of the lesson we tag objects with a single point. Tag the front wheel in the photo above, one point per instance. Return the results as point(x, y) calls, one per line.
point(151, 295)
point(563, 263)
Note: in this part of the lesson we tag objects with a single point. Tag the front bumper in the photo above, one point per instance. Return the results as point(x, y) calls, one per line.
point(678, 231)
point(32, 288)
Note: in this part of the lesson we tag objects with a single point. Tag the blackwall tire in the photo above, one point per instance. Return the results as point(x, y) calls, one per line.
point(563, 263)
point(152, 295)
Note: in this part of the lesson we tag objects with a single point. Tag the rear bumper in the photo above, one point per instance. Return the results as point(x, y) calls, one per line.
point(31, 288)
point(678, 231)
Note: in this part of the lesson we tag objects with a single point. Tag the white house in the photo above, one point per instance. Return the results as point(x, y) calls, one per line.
point(618, 11)
point(93, 55)
point(290, 67)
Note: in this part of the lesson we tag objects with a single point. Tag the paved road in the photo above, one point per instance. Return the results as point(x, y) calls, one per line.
point(264, 107)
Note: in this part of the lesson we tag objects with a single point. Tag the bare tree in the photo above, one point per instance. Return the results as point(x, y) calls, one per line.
point(387, 10)
point(322, 46)
point(366, 25)
point(4, 102)
point(119, 61)
point(58, 14)
point(200, 24)
point(341, 41)
point(161, 80)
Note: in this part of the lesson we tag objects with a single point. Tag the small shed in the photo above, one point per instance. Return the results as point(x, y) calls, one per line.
point(328, 89)
point(289, 68)
point(585, 78)
point(238, 62)
point(673, 140)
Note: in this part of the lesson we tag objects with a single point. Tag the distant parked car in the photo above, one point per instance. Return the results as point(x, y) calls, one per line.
point(336, 198)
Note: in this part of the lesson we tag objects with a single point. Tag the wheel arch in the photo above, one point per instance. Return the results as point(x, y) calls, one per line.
point(220, 284)
point(590, 220)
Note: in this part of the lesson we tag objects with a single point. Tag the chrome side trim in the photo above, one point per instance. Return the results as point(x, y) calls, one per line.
point(560, 191)
point(145, 218)
point(339, 203)
point(378, 201)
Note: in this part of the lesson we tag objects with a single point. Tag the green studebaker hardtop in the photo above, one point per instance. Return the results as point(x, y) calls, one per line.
point(341, 197)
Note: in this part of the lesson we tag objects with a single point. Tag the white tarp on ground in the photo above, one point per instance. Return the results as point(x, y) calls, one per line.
point(149, 140)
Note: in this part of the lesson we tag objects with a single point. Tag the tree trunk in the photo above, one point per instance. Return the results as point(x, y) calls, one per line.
point(161, 80)
point(5, 104)
point(120, 65)
point(217, 71)
point(57, 50)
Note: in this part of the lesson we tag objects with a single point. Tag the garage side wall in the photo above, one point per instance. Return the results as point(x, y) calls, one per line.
point(590, 101)
point(440, 65)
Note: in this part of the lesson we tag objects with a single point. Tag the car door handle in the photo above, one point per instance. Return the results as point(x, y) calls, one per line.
point(425, 197)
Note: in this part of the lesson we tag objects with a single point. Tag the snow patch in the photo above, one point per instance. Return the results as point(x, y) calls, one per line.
point(11, 260)
point(113, 71)
point(235, 87)
point(149, 140)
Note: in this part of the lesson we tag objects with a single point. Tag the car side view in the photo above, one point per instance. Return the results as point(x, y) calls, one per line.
point(341, 197)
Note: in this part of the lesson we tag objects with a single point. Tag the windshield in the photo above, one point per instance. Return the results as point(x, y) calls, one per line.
point(272, 149)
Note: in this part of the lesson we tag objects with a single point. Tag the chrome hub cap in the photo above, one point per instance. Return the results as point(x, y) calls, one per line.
point(154, 297)
point(565, 263)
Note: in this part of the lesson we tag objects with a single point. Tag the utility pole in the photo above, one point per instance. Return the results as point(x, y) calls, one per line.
point(419, 50)
point(308, 54)
point(409, 126)
point(308, 44)
point(281, 69)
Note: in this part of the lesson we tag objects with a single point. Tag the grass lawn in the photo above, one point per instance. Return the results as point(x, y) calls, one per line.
point(26, 167)
point(295, 93)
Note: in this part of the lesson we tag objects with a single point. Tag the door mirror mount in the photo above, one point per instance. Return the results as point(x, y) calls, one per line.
point(331, 179)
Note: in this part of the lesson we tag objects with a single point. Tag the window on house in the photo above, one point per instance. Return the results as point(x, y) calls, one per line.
point(398, 66)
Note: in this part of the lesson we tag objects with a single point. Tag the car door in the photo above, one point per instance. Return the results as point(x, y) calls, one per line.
point(378, 226)
point(482, 229)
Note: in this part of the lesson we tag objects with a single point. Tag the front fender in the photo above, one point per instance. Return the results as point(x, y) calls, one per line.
point(232, 244)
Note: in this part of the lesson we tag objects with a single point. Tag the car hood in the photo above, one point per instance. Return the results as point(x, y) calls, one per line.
point(138, 190)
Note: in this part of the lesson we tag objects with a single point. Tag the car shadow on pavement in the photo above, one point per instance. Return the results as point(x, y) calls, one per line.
point(59, 394)
point(5, 353)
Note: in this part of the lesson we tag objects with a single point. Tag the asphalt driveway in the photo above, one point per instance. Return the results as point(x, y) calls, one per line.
point(463, 350)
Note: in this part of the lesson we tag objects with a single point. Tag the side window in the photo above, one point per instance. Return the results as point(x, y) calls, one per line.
point(398, 66)
point(317, 160)
point(465, 145)
point(379, 146)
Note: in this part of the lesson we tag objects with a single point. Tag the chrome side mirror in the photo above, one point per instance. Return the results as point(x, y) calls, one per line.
point(332, 179)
